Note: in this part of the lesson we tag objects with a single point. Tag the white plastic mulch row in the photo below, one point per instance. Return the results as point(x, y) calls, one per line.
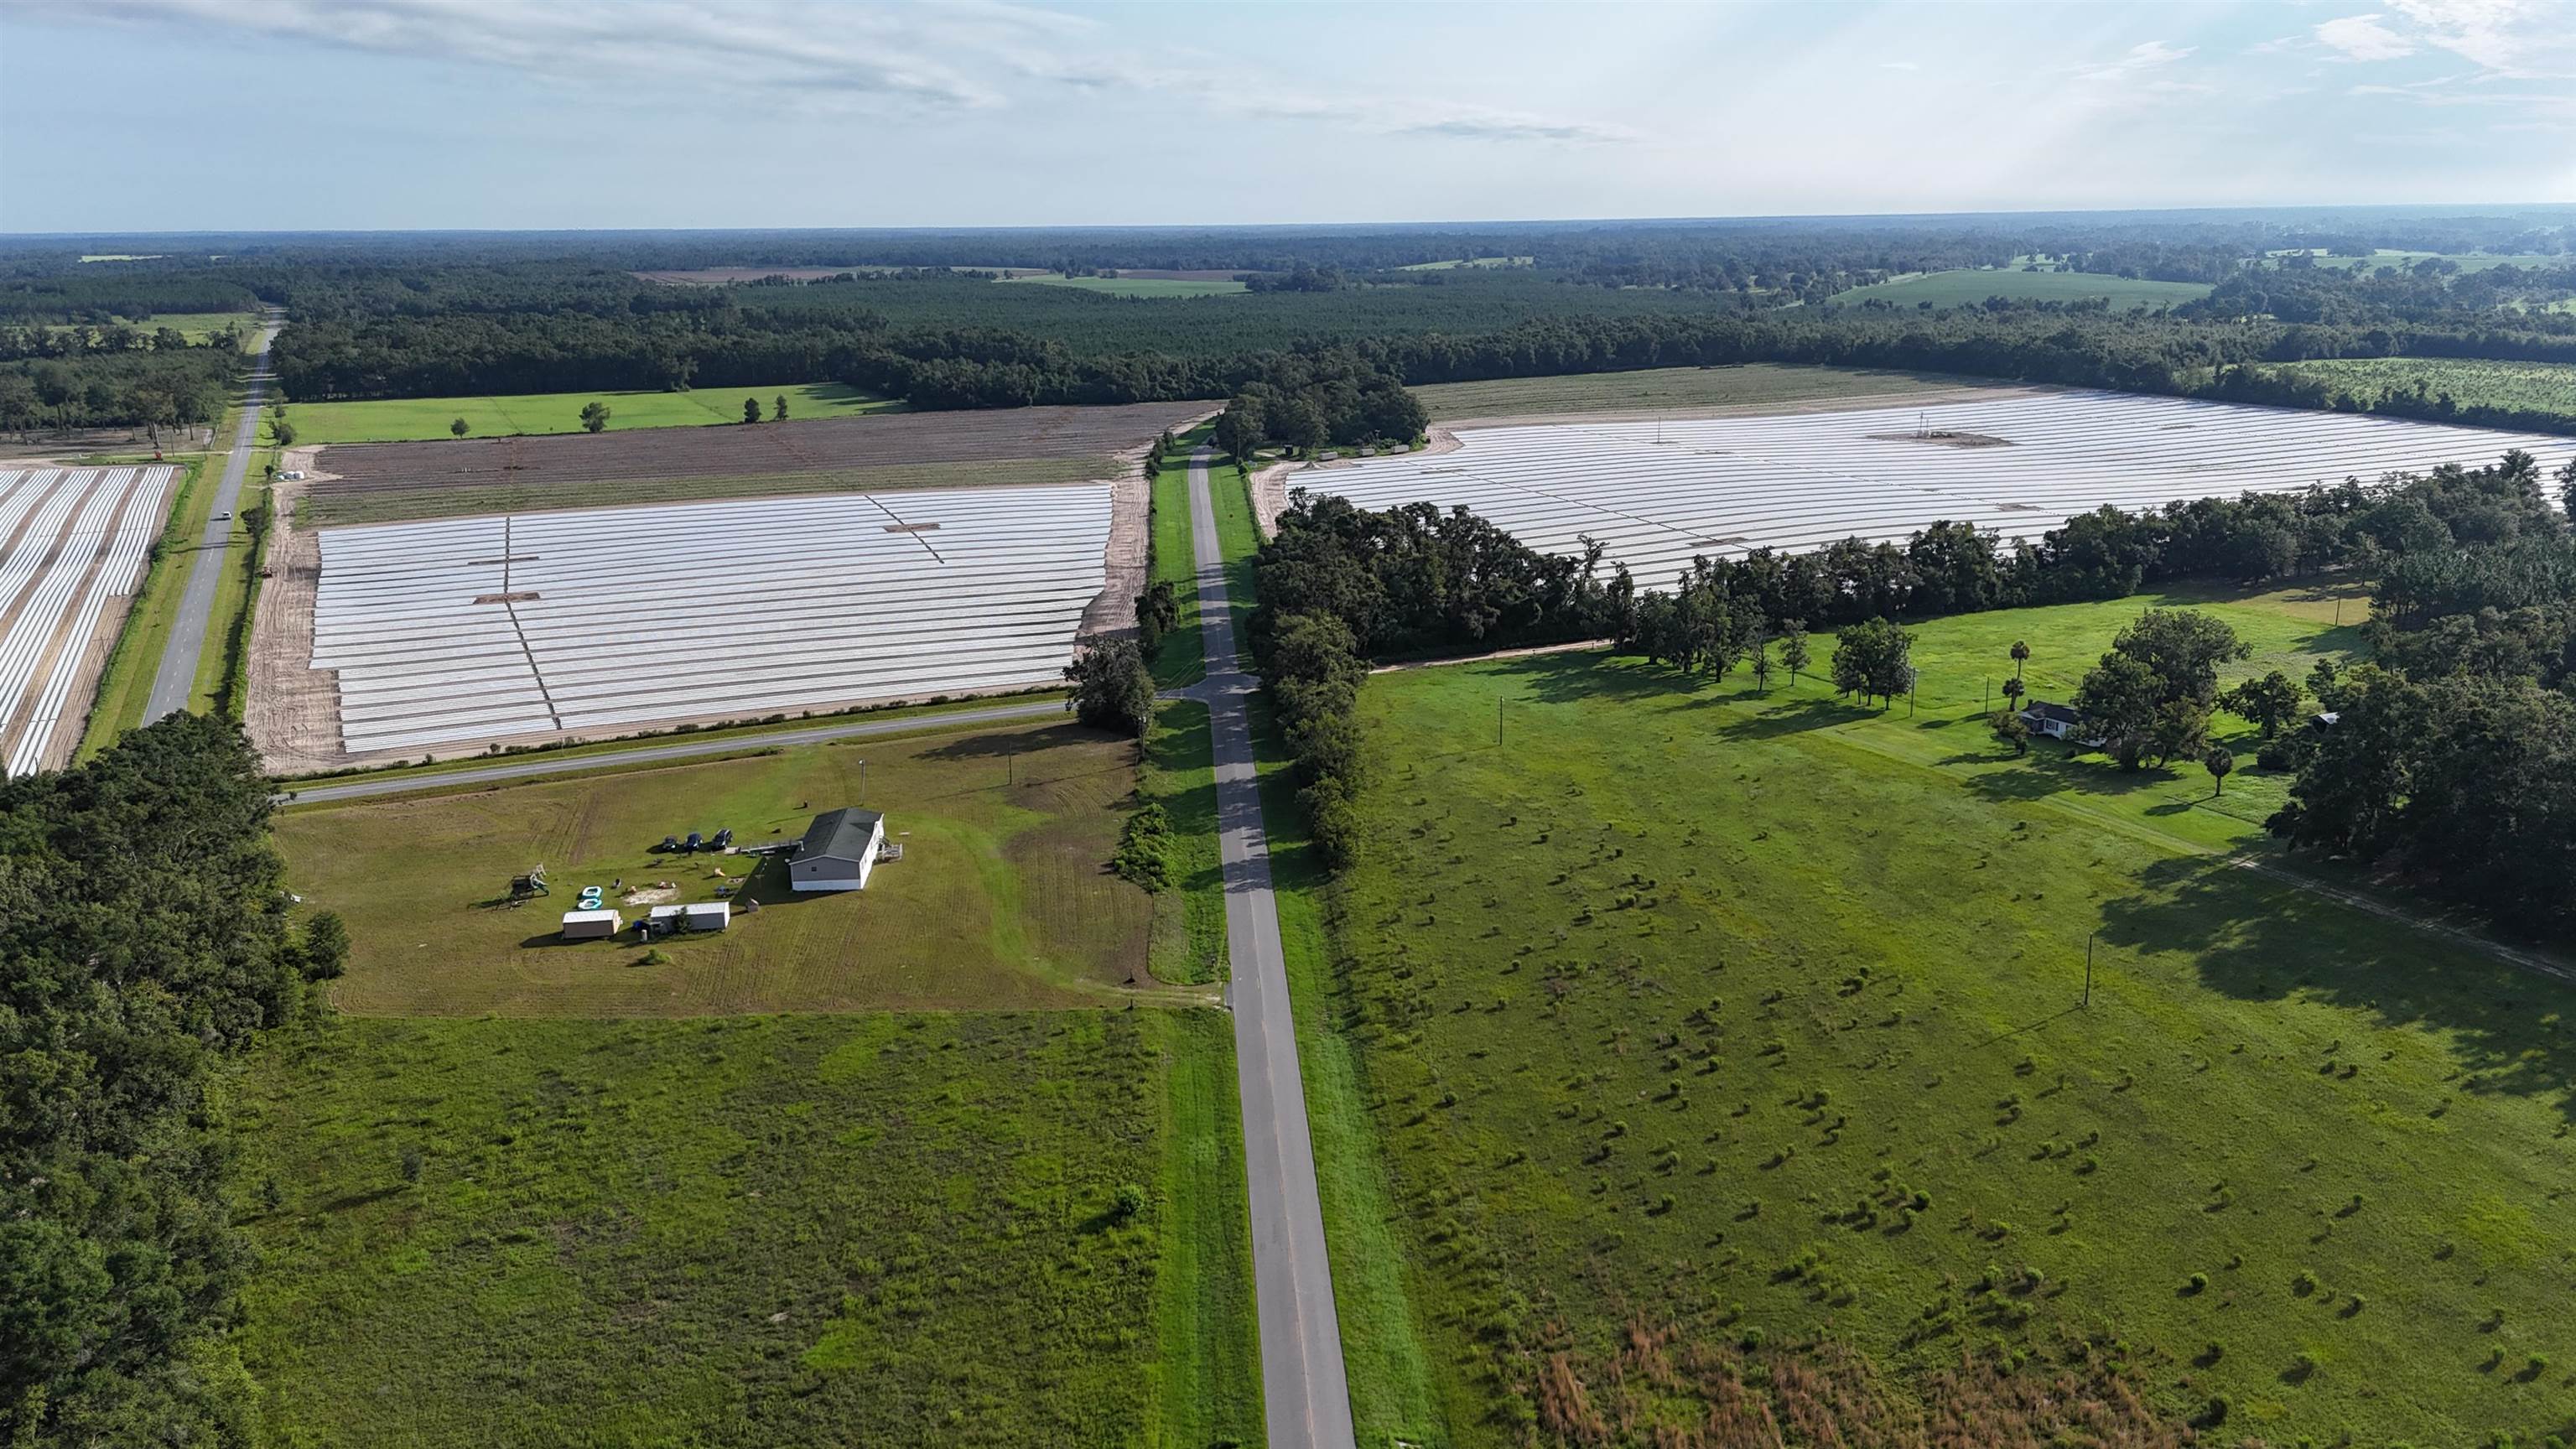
point(628, 616)
point(1656, 494)
point(113, 514)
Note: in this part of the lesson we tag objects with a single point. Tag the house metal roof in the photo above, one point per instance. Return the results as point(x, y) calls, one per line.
point(841, 834)
point(2042, 709)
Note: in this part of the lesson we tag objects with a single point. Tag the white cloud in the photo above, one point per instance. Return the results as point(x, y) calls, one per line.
point(958, 54)
point(2362, 37)
point(2137, 60)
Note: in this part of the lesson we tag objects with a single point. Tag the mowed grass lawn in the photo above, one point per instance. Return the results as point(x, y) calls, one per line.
point(1675, 389)
point(1689, 1015)
point(754, 1231)
point(1002, 899)
point(412, 419)
point(1968, 286)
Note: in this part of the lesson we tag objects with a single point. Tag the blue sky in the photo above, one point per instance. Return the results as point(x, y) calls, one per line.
point(268, 114)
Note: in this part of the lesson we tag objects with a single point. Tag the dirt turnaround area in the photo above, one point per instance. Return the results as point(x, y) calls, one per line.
point(379, 482)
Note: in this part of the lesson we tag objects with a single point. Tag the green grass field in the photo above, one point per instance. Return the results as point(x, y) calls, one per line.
point(125, 683)
point(1690, 1017)
point(198, 326)
point(1002, 899)
point(444, 500)
point(2540, 386)
point(1133, 286)
point(756, 1231)
point(1183, 655)
point(412, 419)
point(1677, 390)
point(1180, 775)
point(1968, 286)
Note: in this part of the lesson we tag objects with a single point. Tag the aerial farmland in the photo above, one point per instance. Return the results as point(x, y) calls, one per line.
point(1656, 493)
point(73, 542)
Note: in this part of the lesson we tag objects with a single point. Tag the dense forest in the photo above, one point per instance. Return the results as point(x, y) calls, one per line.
point(438, 315)
point(143, 944)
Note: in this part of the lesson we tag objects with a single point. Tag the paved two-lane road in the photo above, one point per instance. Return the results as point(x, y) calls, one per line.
point(1306, 1399)
point(177, 677)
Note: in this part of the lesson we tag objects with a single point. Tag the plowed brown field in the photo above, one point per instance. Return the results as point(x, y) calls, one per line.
point(377, 482)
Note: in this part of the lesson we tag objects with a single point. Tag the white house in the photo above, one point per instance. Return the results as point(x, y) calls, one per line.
point(2053, 720)
point(838, 851)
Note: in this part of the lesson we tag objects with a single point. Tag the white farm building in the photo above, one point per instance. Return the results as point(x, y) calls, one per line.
point(838, 851)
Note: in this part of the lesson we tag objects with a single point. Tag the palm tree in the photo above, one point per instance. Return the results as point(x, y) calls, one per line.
point(2020, 657)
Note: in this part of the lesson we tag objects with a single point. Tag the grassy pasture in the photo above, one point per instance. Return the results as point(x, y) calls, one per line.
point(403, 420)
point(198, 326)
point(864, 1230)
point(1133, 286)
point(2541, 386)
point(1968, 286)
point(1002, 899)
point(1667, 1009)
point(1675, 390)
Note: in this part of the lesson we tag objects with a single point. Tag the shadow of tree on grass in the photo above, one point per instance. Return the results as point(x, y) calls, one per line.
point(2260, 939)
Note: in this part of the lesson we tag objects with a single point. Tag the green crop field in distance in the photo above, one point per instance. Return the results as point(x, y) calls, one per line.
point(1969, 286)
point(750, 1231)
point(2539, 386)
point(198, 326)
point(1679, 390)
point(1456, 263)
point(1133, 286)
point(416, 419)
point(1716, 1038)
point(1002, 898)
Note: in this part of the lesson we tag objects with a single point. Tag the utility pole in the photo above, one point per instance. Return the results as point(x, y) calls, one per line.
point(1498, 721)
point(2088, 967)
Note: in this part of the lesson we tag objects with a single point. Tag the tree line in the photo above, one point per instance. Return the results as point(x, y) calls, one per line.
point(144, 942)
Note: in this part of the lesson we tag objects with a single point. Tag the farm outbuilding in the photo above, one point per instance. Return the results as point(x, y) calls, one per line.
point(838, 851)
point(591, 925)
point(703, 916)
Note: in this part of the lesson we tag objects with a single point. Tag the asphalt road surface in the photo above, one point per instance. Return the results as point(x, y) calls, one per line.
point(530, 767)
point(177, 676)
point(1305, 1395)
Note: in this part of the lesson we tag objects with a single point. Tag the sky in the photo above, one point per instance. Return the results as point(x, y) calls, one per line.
point(167, 115)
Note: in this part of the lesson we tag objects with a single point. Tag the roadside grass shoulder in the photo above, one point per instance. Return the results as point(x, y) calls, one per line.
point(125, 681)
point(1180, 776)
point(1208, 1366)
point(1690, 1009)
point(861, 1230)
point(1183, 656)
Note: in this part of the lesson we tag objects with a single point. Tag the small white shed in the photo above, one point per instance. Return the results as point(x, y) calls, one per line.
point(591, 925)
point(704, 916)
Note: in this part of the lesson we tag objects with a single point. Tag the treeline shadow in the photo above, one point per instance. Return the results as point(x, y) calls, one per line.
point(2258, 938)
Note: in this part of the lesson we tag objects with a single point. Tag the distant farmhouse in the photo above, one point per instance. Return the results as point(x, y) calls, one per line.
point(2055, 721)
point(838, 851)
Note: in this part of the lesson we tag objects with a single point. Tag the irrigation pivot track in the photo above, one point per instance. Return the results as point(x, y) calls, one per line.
point(72, 545)
point(1657, 493)
point(1306, 1398)
point(492, 628)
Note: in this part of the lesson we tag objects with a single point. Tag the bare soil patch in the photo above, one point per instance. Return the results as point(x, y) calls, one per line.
point(375, 482)
point(1112, 614)
point(1942, 438)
